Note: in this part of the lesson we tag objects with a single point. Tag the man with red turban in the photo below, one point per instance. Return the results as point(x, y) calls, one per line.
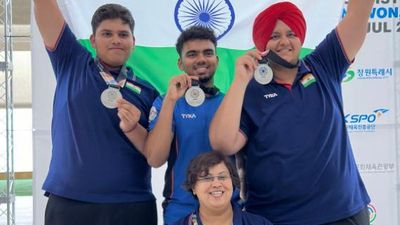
point(300, 166)
point(265, 22)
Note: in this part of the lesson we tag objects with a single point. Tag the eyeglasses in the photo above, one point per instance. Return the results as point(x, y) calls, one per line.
point(210, 179)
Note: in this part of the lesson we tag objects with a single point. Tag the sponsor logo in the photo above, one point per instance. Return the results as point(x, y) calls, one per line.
point(217, 15)
point(381, 167)
point(272, 95)
point(349, 76)
point(374, 73)
point(364, 122)
point(377, 73)
point(188, 116)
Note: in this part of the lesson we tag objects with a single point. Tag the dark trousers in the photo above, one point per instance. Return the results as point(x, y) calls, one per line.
point(360, 218)
point(63, 211)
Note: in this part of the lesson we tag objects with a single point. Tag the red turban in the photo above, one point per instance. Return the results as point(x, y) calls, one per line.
point(265, 22)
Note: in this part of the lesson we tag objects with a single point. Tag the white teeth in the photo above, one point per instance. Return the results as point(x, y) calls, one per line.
point(201, 68)
point(216, 193)
point(201, 71)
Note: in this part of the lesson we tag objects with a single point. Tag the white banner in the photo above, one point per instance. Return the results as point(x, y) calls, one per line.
point(159, 22)
point(370, 107)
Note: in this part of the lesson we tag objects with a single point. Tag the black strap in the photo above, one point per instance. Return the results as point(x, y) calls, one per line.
point(210, 90)
point(207, 90)
point(278, 60)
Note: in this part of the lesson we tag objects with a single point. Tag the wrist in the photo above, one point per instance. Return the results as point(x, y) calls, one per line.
point(169, 101)
point(132, 128)
point(170, 97)
point(240, 81)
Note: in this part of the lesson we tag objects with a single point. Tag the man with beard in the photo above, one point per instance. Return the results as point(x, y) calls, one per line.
point(179, 131)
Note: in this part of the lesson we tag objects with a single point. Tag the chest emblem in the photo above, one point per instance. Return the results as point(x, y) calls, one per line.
point(188, 116)
point(307, 80)
point(133, 87)
point(271, 95)
point(153, 113)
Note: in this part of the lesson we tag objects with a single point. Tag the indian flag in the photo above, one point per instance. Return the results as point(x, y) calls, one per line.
point(159, 23)
point(307, 80)
point(133, 87)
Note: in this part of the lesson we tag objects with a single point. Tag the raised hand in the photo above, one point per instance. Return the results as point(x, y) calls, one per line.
point(178, 85)
point(247, 64)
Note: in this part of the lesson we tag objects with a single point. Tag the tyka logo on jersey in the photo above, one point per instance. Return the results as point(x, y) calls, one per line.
point(188, 116)
point(271, 95)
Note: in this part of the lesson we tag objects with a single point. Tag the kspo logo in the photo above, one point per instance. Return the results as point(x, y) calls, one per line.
point(365, 118)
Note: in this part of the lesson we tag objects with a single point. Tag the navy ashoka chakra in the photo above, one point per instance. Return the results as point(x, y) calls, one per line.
point(215, 14)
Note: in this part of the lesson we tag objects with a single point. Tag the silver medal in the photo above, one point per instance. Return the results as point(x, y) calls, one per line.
point(195, 96)
point(110, 96)
point(263, 74)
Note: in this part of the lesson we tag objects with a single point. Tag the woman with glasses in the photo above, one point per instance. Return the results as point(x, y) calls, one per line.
point(211, 178)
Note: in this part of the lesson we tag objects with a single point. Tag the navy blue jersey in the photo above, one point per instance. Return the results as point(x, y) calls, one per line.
point(92, 160)
point(300, 166)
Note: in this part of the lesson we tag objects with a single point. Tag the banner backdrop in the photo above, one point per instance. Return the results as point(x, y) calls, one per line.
point(159, 23)
point(369, 88)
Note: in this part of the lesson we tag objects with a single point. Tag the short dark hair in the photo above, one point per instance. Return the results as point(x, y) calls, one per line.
point(200, 165)
point(195, 33)
point(109, 12)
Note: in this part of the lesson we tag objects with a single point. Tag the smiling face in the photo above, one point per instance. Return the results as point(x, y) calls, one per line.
point(214, 190)
point(198, 58)
point(285, 43)
point(113, 42)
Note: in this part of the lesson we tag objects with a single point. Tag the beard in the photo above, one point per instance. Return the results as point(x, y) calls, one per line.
point(206, 79)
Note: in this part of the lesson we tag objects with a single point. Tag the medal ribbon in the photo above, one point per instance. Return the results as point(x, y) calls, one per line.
point(210, 90)
point(109, 79)
point(207, 90)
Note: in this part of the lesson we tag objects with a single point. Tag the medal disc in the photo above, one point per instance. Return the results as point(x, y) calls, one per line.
point(263, 74)
point(109, 97)
point(195, 96)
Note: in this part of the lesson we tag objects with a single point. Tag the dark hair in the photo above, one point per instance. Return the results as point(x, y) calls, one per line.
point(112, 11)
point(195, 33)
point(200, 165)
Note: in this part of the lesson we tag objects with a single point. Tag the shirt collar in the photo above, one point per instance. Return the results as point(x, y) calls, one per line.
point(237, 215)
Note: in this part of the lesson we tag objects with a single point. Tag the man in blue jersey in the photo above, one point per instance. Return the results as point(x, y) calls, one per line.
point(179, 131)
point(300, 167)
point(98, 173)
